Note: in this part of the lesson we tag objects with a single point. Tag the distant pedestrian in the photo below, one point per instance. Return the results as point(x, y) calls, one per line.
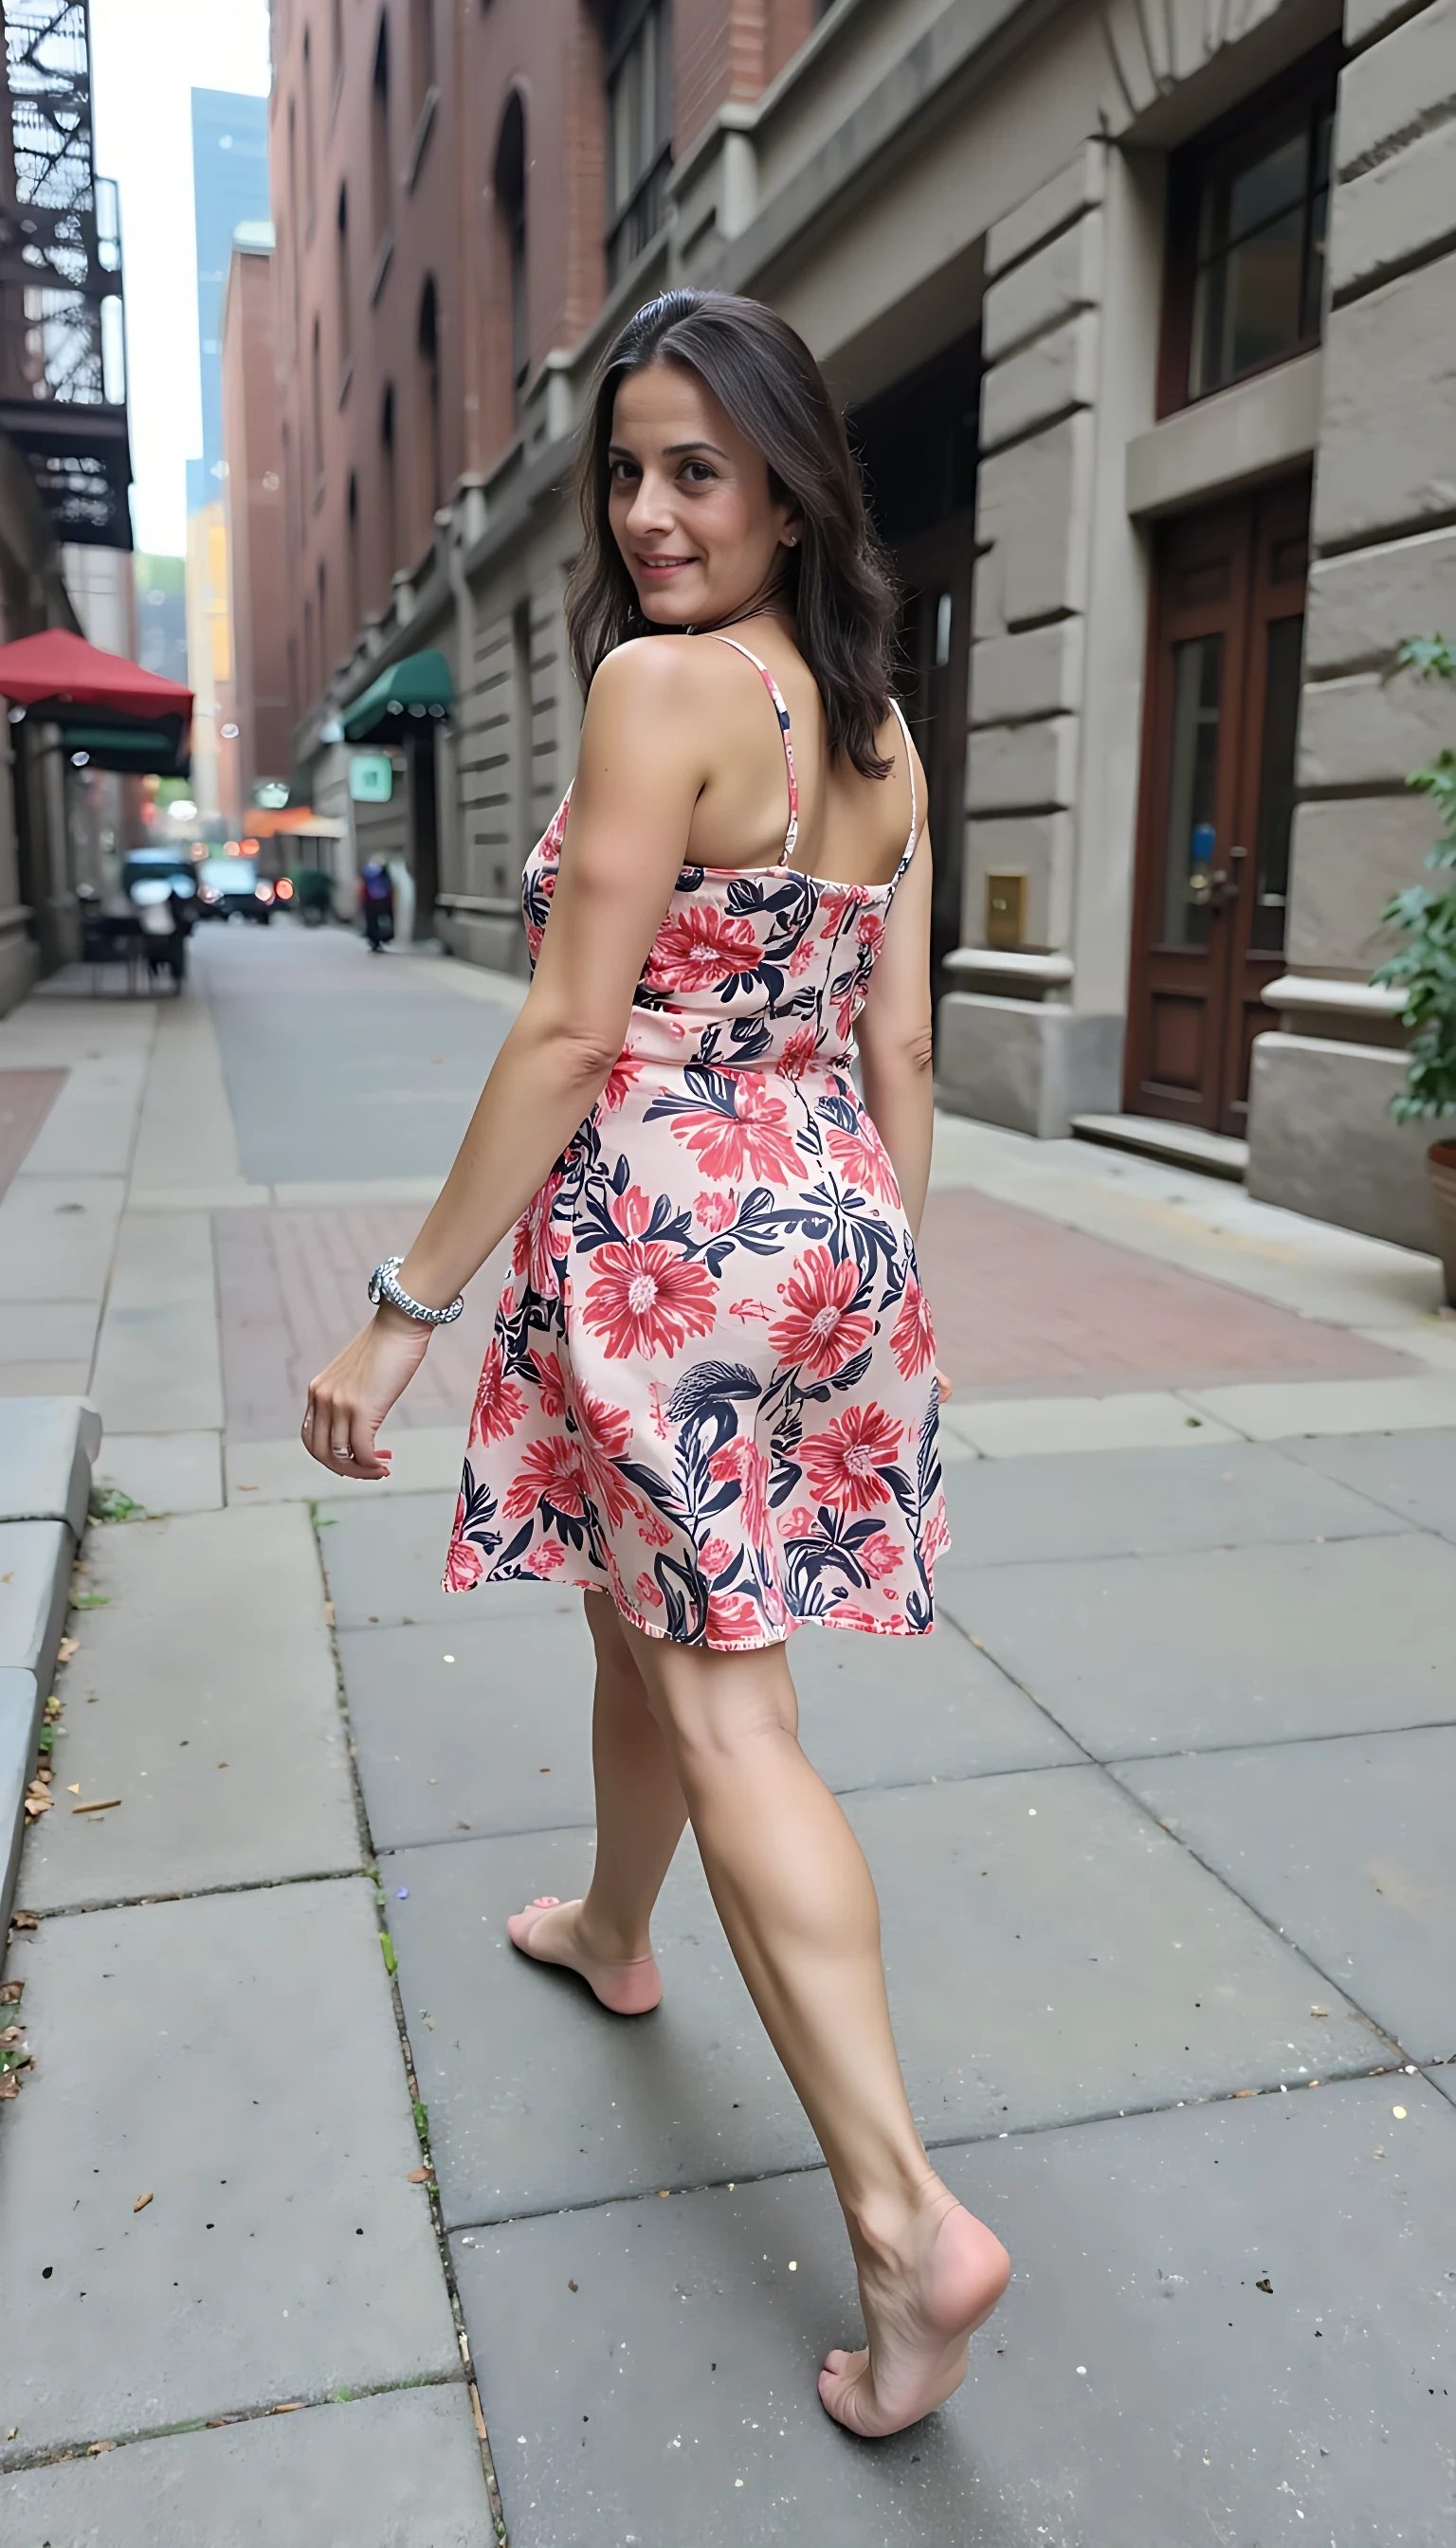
point(377, 902)
point(710, 1399)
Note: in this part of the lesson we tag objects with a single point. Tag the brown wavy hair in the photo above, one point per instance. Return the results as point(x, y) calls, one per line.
point(837, 580)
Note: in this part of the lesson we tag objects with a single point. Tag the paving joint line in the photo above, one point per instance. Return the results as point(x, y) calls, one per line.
point(951, 2141)
point(417, 2105)
point(1278, 1743)
point(194, 1893)
point(51, 2454)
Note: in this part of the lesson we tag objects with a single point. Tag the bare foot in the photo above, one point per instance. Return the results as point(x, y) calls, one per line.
point(551, 1931)
point(923, 2299)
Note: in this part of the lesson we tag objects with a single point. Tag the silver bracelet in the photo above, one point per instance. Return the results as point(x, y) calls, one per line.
point(384, 1285)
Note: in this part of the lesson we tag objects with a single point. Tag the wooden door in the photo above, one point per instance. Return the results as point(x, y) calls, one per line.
point(1217, 798)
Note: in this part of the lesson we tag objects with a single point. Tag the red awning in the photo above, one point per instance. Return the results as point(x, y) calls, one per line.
point(59, 666)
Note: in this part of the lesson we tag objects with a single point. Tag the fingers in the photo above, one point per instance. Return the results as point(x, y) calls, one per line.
point(340, 1438)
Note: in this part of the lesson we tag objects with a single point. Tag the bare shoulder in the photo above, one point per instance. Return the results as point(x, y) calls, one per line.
point(657, 674)
point(890, 744)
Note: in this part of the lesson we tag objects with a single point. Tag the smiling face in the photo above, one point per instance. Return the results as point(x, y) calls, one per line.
point(690, 506)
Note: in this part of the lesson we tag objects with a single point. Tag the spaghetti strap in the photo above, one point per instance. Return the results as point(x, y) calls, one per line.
point(914, 808)
point(784, 728)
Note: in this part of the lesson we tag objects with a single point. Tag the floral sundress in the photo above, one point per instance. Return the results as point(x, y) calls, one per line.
point(710, 1390)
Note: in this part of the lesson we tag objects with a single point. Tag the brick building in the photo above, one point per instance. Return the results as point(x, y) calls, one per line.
point(257, 566)
point(1144, 323)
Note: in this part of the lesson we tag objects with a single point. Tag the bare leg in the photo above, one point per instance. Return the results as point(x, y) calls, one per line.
point(796, 1899)
point(640, 1814)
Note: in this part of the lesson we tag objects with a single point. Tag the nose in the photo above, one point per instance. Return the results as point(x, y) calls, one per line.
point(649, 510)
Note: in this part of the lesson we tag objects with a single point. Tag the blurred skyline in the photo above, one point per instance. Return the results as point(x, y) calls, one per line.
point(147, 56)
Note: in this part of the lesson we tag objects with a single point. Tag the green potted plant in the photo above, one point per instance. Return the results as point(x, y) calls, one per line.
point(1425, 969)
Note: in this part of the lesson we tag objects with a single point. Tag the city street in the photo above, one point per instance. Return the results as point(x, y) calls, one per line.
point(325, 2218)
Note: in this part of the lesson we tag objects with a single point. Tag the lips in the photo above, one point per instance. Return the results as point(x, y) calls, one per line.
point(663, 564)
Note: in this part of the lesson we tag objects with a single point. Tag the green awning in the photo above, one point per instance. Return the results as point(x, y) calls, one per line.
point(418, 687)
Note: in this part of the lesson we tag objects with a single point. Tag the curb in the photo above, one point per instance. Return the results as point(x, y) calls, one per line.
point(47, 1448)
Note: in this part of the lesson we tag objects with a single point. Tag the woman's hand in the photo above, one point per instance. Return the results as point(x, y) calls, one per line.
point(349, 1403)
point(942, 1386)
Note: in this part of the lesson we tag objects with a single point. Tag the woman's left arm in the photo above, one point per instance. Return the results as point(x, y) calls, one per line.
point(639, 773)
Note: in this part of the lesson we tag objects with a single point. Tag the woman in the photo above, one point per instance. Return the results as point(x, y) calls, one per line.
point(710, 1398)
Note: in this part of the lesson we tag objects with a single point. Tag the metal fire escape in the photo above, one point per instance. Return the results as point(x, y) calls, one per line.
point(62, 357)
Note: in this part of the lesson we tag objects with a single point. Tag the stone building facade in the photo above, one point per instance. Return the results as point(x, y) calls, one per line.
point(1144, 325)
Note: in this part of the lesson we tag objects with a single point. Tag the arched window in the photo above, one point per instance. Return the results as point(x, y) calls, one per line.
point(422, 55)
point(389, 514)
point(310, 161)
point(511, 204)
point(341, 281)
point(316, 381)
point(431, 491)
point(379, 134)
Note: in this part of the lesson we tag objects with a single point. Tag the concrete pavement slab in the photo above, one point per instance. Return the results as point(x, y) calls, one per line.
point(398, 2471)
point(50, 1379)
point(1004, 1428)
point(157, 1364)
point(1345, 1847)
point(1444, 2078)
point(165, 1472)
point(1267, 1410)
point(90, 1129)
point(1050, 1955)
point(35, 1573)
point(426, 1458)
point(488, 1725)
point(1227, 1647)
point(56, 1237)
point(20, 1709)
point(1411, 1474)
point(1185, 2352)
point(215, 1717)
point(51, 1332)
point(383, 1561)
point(235, 2060)
point(1108, 1503)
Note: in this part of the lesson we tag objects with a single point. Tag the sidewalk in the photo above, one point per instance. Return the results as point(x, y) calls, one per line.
point(1159, 1819)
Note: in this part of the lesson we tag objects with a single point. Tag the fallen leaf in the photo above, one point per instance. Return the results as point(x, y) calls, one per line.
point(328, 1618)
point(1245, 2092)
point(96, 1805)
point(38, 1802)
point(67, 1647)
point(1263, 2284)
point(10, 2034)
point(222, 1765)
point(1319, 2012)
point(10, 1992)
point(294, 2406)
point(97, 2447)
point(419, 2176)
point(9, 2085)
point(141, 2201)
point(13, 2433)
point(571, 2287)
point(75, 1791)
point(24, 1919)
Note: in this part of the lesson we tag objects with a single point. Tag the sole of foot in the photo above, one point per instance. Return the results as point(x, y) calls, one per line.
point(919, 2329)
point(547, 1932)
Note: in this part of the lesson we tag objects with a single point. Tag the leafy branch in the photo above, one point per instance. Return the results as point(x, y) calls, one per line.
point(1424, 970)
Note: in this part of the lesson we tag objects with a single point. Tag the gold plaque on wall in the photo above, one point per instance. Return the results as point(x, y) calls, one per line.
point(1006, 907)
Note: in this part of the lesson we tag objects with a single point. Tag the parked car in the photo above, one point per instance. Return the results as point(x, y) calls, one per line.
point(151, 875)
point(228, 888)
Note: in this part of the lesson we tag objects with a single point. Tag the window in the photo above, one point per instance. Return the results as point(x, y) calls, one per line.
point(388, 520)
point(337, 65)
point(639, 121)
point(379, 134)
point(315, 384)
point(293, 209)
point(351, 557)
point(422, 55)
point(429, 401)
point(309, 163)
point(342, 282)
point(1249, 208)
point(511, 202)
